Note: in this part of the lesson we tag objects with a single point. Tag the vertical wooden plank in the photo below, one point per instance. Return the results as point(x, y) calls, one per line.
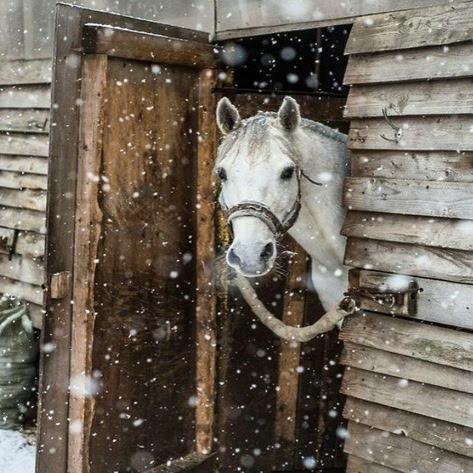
point(87, 234)
point(54, 368)
point(289, 361)
point(206, 330)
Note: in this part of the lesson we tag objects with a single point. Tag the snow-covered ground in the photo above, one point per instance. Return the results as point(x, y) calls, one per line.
point(17, 455)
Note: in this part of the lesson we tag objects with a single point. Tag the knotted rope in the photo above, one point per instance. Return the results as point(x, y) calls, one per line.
point(294, 334)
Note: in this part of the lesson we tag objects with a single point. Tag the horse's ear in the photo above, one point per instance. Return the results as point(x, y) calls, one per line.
point(289, 115)
point(228, 117)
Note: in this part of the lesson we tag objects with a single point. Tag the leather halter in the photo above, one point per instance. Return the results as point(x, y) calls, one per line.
point(250, 208)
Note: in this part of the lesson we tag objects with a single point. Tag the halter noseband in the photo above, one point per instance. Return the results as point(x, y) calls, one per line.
point(250, 208)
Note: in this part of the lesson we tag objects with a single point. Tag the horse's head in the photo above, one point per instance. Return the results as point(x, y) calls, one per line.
point(257, 165)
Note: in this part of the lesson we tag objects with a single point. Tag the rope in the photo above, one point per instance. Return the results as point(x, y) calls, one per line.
point(294, 334)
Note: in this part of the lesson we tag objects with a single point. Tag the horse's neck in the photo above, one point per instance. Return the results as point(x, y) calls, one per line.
point(320, 221)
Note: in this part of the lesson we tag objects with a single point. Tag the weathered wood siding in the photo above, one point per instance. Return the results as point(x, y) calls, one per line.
point(24, 127)
point(409, 222)
point(251, 17)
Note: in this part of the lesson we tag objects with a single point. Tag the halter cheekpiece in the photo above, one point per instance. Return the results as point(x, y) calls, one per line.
point(250, 208)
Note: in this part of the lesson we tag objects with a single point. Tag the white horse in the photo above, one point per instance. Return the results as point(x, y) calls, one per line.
point(282, 173)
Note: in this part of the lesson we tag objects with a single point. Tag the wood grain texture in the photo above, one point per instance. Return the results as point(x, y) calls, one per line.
point(25, 121)
point(442, 302)
point(24, 144)
point(22, 269)
point(438, 97)
point(411, 197)
point(239, 19)
point(24, 164)
point(401, 453)
point(25, 96)
point(447, 133)
point(414, 260)
point(437, 232)
point(30, 244)
point(23, 219)
point(142, 46)
point(20, 180)
point(26, 291)
point(24, 199)
point(438, 345)
point(424, 166)
point(439, 25)
point(426, 400)
point(206, 323)
point(406, 368)
point(32, 71)
point(359, 465)
point(87, 234)
point(437, 62)
point(438, 433)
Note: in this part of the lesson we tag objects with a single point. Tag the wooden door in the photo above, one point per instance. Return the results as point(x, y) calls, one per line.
point(409, 385)
point(123, 387)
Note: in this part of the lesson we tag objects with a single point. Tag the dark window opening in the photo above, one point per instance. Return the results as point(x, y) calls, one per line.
point(309, 62)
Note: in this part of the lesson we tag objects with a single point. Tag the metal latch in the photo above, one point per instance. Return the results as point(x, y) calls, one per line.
point(398, 299)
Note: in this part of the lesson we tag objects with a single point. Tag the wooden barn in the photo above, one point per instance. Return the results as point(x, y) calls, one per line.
point(151, 360)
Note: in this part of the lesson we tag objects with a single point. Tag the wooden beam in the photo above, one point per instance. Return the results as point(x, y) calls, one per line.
point(419, 165)
point(25, 144)
point(445, 133)
point(150, 47)
point(22, 269)
point(25, 121)
point(437, 62)
point(437, 232)
point(442, 302)
point(411, 197)
point(28, 292)
point(31, 71)
point(439, 97)
point(414, 260)
point(426, 400)
point(439, 25)
point(25, 96)
point(438, 433)
point(24, 164)
point(206, 324)
point(438, 345)
point(405, 367)
point(25, 199)
point(22, 181)
point(401, 453)
point(23, 219)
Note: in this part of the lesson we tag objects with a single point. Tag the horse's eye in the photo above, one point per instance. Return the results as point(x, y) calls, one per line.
point(287, 173)
point(222, 174)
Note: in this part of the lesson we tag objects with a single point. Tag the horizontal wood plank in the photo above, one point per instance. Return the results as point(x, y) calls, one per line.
point(439, 97)
point(442, 302)
point(440, 434)
point(143, 46)
point(23, 199)
point(26, 121)
point(401, 453)
point(433, 26)
point(424, 166)
point(23, 219)
point(22, 269)
point(25, 164)
point(30, 244)
point(24, 144)
point(439, 232)
point(438, 345)
point(406, 368)
point(414, 260)
point(447, 133)
point(19, 180)
point(25, 96)
point(32, 71)
point(426, 400)
point(27, 292)
point(411, 197)
point(437, 62)
point(358, 465)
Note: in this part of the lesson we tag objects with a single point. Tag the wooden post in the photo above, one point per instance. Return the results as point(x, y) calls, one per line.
point(206, 333)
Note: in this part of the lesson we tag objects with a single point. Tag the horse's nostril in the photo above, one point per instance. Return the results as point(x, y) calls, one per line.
point(268, 252)
point(233, 258)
